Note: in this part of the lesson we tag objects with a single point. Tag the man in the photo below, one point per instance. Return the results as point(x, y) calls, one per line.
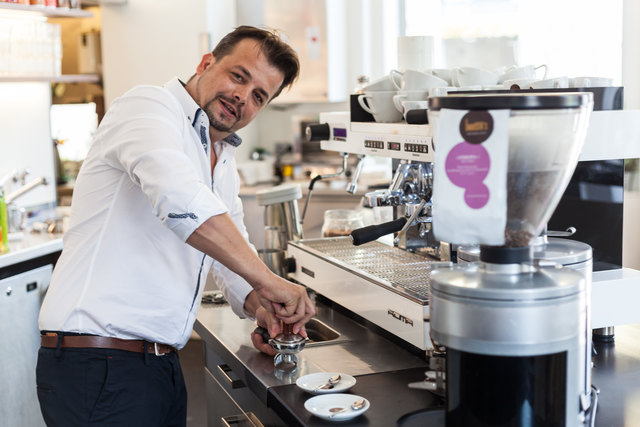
point(155, 207)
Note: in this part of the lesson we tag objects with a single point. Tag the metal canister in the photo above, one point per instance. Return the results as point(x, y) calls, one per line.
point(281, 208)
point(515, 339)
point(569, 253)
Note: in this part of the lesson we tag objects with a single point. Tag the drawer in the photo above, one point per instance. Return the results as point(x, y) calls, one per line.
point(235, 387)
point(222, 410)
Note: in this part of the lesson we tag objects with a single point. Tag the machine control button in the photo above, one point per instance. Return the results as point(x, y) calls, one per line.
point(416, 148)
point(368, 143)
point(318, 132)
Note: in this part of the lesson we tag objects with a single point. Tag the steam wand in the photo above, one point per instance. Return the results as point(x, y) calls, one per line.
point(345, 157)
point(409, 222)
point(353, 185)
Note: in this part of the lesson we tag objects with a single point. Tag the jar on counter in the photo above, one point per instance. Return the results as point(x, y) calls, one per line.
point(340, 222)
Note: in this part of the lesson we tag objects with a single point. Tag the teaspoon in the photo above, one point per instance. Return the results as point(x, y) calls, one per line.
point(358, 404)
point(331, 382)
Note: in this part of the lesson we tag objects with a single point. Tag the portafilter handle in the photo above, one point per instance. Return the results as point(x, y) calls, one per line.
point(370, 233)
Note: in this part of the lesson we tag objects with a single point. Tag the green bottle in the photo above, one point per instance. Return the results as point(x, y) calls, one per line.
point(4, 224)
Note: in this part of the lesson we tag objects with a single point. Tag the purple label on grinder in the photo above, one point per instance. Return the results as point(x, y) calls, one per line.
point(467, 166)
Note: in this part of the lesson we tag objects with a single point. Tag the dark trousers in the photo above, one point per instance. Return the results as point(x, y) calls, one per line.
point(103, 387)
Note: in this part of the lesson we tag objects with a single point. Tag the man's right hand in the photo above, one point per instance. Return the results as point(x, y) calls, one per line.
point(287, 301)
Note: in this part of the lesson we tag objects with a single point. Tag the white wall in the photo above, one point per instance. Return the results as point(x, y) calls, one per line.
point(630, 57)
point(25, 138)
point(368, 24)
point(151, 41)
point(631, 83)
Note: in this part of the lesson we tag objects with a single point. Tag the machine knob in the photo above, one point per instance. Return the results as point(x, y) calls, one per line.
point(318, 132)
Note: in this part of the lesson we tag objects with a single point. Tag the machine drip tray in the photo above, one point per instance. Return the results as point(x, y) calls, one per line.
point(387, 266)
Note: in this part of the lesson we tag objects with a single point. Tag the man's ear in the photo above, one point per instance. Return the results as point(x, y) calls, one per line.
point(205, 62)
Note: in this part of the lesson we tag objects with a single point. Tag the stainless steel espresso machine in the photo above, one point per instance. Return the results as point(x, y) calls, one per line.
point(386, 285)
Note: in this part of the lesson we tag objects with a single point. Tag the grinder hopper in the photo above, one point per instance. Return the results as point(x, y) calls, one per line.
point(546, 133)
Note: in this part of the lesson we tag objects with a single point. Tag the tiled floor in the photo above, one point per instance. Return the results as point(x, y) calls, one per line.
point(192, 361)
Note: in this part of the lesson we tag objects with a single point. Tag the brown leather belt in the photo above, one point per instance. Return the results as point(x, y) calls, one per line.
point(50, 340)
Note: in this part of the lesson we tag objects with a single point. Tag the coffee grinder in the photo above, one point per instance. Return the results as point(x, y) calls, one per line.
point(517, 332)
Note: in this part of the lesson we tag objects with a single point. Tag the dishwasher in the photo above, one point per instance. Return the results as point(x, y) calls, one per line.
point(20, 298)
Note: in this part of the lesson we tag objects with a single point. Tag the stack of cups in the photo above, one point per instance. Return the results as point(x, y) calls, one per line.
point(413, 89)
point(388, 99)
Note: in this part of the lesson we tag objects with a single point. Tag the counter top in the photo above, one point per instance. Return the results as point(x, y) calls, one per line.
point(357, 351)
point(32, 245)
point(387, 392)
point(330, 187)
point(383, 370)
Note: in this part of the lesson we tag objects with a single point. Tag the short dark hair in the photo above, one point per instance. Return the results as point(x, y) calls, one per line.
point(278, 53)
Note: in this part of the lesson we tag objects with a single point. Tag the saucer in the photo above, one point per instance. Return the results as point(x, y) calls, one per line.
point(320, 405)
point(310, 382)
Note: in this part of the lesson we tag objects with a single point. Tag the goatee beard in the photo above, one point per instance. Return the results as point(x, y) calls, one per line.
point(213, 120)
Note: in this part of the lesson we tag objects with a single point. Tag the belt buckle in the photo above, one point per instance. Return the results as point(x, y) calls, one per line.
point(155, 348)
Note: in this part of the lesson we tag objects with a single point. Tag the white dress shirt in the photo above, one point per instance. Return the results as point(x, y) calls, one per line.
point(144, 187)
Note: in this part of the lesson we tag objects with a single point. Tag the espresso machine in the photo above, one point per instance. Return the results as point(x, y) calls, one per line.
point(386, 285)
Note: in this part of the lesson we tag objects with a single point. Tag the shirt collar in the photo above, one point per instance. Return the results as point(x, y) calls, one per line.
point(192, 109)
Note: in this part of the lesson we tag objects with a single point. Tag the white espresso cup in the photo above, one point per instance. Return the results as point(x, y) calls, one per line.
point(443, 73)
point(524, 72)
point(409, 95)
point(472, 76)
point(415, 80)
point(590, 82)
point(413, 105)
point(380, 105)
point(381, 84)
point(554, 83)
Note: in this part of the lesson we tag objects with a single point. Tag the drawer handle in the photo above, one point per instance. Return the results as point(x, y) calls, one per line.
point(224, 370)
point(241, 420)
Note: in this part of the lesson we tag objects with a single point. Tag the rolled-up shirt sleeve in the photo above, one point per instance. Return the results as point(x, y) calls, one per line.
point(152, 150)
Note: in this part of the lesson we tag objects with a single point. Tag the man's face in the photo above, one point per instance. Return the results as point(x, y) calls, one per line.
point(233, 89)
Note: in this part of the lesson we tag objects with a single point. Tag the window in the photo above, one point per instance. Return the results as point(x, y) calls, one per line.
point(573, 37)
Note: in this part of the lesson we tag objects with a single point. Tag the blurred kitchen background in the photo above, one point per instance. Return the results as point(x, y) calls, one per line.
point(97, 50)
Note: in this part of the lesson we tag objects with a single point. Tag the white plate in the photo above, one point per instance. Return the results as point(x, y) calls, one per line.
point(320, 405)
point(311, 382)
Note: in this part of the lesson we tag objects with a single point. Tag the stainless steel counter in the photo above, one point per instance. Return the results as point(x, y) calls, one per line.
point(357, 351)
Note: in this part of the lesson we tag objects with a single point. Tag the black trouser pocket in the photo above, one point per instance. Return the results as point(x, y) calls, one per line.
point(98, 398)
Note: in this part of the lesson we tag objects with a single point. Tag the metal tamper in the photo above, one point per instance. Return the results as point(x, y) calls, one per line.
point(288, 345)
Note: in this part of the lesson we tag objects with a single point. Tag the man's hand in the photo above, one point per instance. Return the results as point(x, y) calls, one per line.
point(287, 302)
point(265, 320)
